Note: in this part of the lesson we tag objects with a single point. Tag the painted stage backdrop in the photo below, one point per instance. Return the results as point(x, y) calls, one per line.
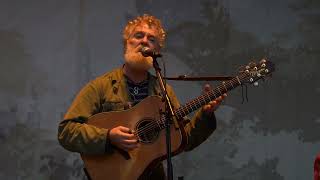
point(50, 49)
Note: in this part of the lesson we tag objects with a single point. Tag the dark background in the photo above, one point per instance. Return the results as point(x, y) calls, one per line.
point(50, 49)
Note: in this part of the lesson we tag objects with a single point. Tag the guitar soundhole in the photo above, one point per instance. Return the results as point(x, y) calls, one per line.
point(147, 131)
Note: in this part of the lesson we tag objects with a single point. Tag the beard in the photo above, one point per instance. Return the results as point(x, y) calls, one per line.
point(137, 61)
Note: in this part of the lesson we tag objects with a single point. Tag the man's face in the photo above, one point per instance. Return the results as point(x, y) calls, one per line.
point(142, 36)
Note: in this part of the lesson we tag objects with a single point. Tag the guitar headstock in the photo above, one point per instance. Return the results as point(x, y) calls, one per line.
point(255, 71)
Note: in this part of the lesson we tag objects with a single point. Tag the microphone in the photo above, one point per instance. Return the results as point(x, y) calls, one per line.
point(146, 52)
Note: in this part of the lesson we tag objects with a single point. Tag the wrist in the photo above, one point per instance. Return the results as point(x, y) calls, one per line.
point(108, 145)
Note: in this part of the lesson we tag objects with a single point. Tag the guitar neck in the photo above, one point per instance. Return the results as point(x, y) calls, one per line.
point(205, 98)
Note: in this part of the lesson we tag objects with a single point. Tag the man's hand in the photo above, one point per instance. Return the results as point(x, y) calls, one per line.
point(123, 138)
point(212, 105)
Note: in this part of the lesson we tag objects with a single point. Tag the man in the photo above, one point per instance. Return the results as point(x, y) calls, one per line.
point(121, 89)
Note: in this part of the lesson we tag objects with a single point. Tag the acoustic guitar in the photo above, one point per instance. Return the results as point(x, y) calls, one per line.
point(147, 119)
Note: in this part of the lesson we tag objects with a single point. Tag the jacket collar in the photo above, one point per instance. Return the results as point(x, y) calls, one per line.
point(119, 85)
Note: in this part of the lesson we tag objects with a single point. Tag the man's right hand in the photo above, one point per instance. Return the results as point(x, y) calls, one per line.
point(123, 138)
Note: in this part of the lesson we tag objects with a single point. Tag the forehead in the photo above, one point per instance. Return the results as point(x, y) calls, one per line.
point(146, 29)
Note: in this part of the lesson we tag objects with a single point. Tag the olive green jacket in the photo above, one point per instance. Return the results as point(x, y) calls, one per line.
point(108, 93)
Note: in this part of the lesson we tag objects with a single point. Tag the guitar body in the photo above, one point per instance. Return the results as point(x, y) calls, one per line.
point(144, 118)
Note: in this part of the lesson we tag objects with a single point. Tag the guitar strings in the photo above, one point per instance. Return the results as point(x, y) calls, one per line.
point(153, 126)
point(206, 97)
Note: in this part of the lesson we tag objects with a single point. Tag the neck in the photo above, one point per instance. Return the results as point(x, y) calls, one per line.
point(135, 75)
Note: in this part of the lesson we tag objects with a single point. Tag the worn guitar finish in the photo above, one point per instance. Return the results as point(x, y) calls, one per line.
point(147, 121)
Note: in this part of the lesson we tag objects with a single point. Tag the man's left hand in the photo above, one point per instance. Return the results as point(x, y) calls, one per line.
point(214, 104)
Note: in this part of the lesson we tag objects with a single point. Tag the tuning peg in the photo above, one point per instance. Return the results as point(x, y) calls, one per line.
point(263, 65)
point(263, 61)
point(267, 70)
point(251, 79)
point(259, 75)
point(255, 68)
point(256, 83)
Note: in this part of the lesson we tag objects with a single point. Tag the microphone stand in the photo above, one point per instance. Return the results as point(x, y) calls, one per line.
point(169, 113)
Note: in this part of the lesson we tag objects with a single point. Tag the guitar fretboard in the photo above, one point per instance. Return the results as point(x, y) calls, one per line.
point(205, 98)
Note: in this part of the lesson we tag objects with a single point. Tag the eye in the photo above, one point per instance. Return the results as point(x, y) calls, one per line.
point(138, 35)
point(152, 39)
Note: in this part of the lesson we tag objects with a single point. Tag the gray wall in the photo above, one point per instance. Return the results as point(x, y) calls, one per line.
point(50, 49)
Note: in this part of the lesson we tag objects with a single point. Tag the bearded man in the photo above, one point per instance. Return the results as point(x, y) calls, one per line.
point(122, 89)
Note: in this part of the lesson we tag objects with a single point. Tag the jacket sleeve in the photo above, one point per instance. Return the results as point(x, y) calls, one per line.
point(77, 136)
point(199, 128)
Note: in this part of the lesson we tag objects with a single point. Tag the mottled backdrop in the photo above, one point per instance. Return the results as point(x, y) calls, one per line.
point(50, 49)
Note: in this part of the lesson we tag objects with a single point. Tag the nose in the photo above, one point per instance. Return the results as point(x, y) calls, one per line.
point(145, 40)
